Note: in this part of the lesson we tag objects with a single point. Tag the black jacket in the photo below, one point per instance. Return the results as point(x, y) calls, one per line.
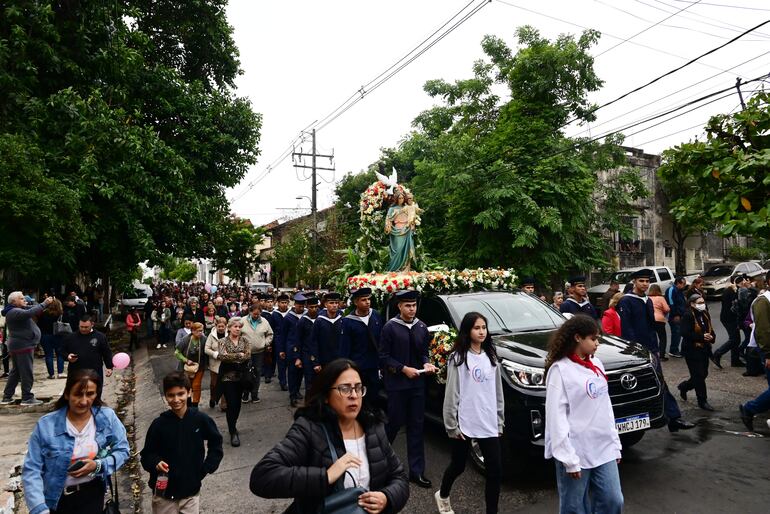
point(296, 467)
point(93, 351)
point(694, 325)
point(179, 443)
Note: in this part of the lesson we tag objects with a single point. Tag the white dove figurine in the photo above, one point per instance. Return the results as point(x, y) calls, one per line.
point(391, 181)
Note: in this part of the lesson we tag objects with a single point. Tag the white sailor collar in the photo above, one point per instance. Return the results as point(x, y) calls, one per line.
point(330, 320)
point(298, 316)
point(282, 313)
point(312, 320)
point(581, 304)
point(398, 320)
point(642, 298)
point(364, 319)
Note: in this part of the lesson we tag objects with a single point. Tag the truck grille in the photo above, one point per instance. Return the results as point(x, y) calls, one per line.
point(645, 396)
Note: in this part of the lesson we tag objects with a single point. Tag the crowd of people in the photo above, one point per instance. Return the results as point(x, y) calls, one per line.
point(364, 380)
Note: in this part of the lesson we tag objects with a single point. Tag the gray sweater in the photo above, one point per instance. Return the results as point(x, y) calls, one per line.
point(452, 398)
point(23, 332)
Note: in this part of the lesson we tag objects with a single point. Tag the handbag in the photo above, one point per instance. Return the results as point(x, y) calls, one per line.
point(61, 328)
point(342, 500)
point(112, 506)
point(192, 369)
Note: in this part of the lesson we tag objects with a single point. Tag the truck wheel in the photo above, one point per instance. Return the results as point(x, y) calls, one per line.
point(509, 470)
point(630, 439)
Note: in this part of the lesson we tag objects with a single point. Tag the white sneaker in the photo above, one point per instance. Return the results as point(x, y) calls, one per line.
point(6, 401)
point(444, 507)
point(165, 346)
point(157, 346)
point(768, 423)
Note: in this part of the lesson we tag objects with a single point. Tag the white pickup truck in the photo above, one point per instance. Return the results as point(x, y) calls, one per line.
point(663, 276)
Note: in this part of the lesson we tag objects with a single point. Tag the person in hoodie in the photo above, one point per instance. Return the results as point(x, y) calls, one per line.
point(302, 359)
point(23, 337)
point(578, 303)
point(637, 324)
point(174, 446)
point(327, 331)
point(360, 341)
point(288, 325)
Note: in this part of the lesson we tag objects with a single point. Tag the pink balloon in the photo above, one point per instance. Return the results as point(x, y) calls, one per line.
point(121, 360)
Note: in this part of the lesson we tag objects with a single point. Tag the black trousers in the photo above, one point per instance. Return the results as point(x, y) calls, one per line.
point(490, 449)
point(407, 407)
point(89, 499)
point(697, 360)
point(232, 392)
point(733, 343)
point(660, 328)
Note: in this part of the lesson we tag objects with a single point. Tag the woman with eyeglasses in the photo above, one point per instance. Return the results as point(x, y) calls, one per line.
point(302, 467)
point(580, 433)
point(697, 338)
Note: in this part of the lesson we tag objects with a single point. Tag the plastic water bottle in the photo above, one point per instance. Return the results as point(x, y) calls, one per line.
point(161, 483)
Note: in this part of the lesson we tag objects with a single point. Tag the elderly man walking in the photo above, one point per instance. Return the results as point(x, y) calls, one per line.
point(23, 337)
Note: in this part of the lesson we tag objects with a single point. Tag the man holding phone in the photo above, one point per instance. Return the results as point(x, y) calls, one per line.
point(88, 349)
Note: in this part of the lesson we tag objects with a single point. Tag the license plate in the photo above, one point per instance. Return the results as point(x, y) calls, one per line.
point(632, 423)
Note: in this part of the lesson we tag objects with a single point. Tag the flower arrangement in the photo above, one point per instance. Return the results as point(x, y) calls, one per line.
point(435, 281)
point(440, 348)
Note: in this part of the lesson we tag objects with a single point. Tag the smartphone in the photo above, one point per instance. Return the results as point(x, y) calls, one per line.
point(76, 466)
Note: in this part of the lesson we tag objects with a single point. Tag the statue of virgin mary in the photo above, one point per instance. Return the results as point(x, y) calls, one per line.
point(400, 225)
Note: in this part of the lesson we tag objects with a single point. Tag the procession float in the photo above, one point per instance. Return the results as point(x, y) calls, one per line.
point(388, 257)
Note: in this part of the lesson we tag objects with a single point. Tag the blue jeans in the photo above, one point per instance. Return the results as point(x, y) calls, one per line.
point(762, 402)
point(52, 343)
point(603, 483)
point(676, 337)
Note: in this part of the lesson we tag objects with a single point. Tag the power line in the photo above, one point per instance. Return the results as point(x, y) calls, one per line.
point(720, 23)
point(671, 72)
point(647, 28)
point(725, 5)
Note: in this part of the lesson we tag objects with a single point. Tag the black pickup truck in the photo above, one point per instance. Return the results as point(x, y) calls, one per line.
point(521, 326)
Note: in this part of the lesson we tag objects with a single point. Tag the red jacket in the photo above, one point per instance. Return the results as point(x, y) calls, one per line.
point(133, 322)
point(611, 322)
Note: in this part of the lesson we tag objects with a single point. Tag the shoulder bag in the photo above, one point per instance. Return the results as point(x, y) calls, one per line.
point(112, 506)
point(192, 369)
point(61, 328)
point(341, 500)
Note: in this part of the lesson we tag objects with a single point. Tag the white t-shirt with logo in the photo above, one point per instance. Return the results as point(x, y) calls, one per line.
point(579, 421)
point(85, 448)
point(477, 412)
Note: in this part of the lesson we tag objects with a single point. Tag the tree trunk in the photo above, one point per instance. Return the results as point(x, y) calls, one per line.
point(681, 252)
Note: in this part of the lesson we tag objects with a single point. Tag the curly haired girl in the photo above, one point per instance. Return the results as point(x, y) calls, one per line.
point(580, 429)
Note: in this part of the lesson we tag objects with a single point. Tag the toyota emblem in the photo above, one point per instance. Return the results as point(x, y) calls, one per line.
point(628, 381)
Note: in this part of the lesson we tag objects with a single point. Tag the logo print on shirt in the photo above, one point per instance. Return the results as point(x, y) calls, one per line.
point(596, 388)
point(478, 375)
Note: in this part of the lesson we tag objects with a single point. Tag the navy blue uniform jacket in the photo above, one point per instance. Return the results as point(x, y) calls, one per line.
point(277, 326)
point(326, 338)
point(637, 321)
point(402, 346)
point(571, 306)
point(356, 344)
point(290, 322)
point(268, 315)
point(300, 344)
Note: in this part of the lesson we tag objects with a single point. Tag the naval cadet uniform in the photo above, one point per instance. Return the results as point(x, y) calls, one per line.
point(290, 321)
point(572, 306)
point(326, 337)
point(405, 344)
point(360, 342)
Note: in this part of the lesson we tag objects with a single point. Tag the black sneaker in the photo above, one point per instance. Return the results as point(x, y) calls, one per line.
point(747, 418)
point(255, 399)
point(716, 359)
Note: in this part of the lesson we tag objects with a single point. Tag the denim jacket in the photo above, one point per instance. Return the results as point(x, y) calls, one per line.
point(50, 450)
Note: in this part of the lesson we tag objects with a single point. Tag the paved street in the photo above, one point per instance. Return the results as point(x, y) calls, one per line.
point(714, 468)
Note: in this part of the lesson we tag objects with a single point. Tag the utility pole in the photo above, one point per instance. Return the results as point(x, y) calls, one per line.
point(314, 186)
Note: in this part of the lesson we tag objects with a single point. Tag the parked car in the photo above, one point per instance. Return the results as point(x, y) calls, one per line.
point(135, 297)
point(260, 287)
point(663, 276)
point(718, 276)
point(521, 326)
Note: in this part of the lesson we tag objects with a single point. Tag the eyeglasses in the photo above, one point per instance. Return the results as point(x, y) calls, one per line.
point(347, 389)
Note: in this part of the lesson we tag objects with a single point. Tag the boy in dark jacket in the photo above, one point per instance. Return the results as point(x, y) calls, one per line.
point(174, 446)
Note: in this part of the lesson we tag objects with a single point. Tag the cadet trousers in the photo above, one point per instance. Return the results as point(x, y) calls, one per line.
point(407, 407)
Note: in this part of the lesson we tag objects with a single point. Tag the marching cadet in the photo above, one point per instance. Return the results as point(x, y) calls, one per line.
point(360, 341)
point(578, 303)
point(278, 316)
point(528, 285)
point(288, 325)
point(404, 344)
point(637, 324)
point(302, 361)
point(266, 301)
point(327, 330)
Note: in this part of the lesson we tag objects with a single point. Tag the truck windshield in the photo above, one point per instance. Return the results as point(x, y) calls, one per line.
point(719, 271)
point(507, 313)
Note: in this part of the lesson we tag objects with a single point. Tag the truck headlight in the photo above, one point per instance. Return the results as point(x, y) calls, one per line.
point(525, 376)
point(722, 281)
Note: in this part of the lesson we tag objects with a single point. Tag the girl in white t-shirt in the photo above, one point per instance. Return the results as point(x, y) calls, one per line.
point(473, 409)
point(580, 431)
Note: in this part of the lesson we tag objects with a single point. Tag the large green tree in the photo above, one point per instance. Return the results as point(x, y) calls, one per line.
point(236, 249)
point(500, 182)
point(123, 113)
point(727, 174)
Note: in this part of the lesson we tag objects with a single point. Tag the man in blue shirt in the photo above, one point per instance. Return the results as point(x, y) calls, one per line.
point(675, 299)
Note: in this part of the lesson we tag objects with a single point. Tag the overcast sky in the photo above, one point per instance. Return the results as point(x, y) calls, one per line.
point(302, 58)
